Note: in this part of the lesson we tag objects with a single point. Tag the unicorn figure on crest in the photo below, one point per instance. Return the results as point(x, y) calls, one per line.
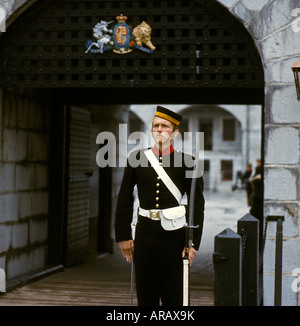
point(99, 31)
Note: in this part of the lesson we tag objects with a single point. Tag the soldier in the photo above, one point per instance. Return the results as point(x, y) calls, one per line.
point(157, 252)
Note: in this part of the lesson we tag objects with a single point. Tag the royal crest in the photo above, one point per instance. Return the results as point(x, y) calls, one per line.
point(120, 38)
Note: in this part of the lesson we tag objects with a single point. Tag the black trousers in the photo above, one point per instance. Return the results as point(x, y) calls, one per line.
point(158, 264)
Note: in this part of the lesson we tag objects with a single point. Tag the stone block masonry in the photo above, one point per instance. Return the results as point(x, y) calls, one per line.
point(24, 183)
point(270, 24)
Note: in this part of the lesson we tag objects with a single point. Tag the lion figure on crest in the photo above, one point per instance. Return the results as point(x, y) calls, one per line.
point(142, 35)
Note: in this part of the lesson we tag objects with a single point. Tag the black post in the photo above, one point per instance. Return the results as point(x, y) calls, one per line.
point(227, 266)
point(278, 264)
point(248, 229)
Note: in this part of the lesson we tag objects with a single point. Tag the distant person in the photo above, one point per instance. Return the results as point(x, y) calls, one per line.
point(242, 178)
point(256, 203)
point(247, 176)
point(249, 186)
point(258, 167)
point(247, 173)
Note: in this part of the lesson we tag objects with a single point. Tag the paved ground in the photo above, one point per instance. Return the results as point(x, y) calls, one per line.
point(99, 281)
point(105, 280)
point(222, 210)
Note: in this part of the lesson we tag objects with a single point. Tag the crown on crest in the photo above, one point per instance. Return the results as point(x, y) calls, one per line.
point(121, 18)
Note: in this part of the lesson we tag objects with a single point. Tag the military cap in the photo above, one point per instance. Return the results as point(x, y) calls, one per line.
point(167, 114)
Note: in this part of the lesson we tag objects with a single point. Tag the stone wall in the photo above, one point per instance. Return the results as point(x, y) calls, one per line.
point(271, 25)
point(24, 157)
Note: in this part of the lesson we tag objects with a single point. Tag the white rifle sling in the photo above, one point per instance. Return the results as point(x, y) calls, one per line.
point(171, 218)
point(163, 175)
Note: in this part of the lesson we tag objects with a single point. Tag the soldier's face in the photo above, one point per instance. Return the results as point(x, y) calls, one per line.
point(163, 131)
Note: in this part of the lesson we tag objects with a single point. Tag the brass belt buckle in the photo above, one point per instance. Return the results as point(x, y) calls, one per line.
point(154, 214)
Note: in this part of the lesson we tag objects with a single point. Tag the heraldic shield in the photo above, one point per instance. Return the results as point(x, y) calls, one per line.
point(122, 35)
point(122, 39)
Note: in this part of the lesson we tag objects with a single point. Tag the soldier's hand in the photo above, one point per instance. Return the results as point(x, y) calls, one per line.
point(127, 247)
point(192, 255)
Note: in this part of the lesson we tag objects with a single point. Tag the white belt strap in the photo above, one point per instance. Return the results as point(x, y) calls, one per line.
point(163, 175)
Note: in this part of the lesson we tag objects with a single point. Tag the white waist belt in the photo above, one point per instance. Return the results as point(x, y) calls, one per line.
point(172, 218)
point(153, 214)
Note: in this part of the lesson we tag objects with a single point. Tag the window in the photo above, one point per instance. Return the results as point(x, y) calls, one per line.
point(135, 123)
point(206, 126)
point(228, 129)
point(206, 165)
point(226, 170)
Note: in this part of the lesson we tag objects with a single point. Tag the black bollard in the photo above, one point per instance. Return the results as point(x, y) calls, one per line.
point(227, 266)
point(248, 229)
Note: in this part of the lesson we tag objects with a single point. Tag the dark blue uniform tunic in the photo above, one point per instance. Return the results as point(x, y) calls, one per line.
point(157, 253)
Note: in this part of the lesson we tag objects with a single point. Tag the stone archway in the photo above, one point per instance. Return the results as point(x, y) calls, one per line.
point(203, 53)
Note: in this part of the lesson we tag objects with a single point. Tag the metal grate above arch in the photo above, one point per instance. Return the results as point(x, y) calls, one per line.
point(198, 44)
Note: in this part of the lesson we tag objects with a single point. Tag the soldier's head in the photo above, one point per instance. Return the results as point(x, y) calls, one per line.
point(165, 126)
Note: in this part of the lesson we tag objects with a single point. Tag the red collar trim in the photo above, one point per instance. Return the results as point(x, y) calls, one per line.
point(166, 151)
